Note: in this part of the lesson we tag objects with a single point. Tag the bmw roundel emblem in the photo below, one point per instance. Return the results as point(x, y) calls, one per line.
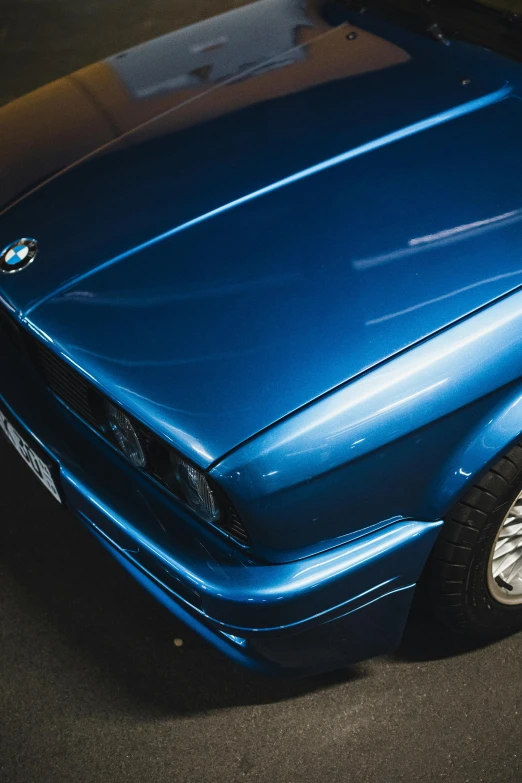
point(18, 255)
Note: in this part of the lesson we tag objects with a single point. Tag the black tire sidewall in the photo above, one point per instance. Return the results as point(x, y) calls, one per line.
point(487, 615)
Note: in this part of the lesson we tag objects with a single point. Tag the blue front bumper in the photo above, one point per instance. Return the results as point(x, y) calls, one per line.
point(321, 612)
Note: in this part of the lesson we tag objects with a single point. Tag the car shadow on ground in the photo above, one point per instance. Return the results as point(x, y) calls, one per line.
point(427, 639)
point(60, 588)
point(62, 591)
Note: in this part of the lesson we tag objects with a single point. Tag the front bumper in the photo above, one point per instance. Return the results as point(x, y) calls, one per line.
point(321, 612)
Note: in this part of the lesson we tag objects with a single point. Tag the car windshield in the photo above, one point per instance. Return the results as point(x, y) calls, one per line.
point(494, 24)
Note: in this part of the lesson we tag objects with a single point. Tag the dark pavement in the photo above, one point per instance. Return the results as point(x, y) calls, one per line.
point(92, 687)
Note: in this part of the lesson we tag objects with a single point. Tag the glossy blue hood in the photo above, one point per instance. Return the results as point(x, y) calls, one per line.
point(281, 227)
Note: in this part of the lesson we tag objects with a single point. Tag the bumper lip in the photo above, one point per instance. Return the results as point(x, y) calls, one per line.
point(236, 648)
point(241, 598)
point(275, 660)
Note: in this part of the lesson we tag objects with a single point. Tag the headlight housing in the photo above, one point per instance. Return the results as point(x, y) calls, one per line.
point(181, 478)
point(144, 450)
point(197, 492)
point(125, 435)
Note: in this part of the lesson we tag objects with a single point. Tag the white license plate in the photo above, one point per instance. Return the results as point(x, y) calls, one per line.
point(37, 465)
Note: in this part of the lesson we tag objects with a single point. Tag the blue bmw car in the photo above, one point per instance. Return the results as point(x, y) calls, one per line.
point(261, 319)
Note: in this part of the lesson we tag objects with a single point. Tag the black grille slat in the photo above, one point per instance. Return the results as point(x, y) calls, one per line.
point(74, 395)
point(71, 394)
point(61, 376)
point(66, 383)
point(59, 382)
point(80, 408)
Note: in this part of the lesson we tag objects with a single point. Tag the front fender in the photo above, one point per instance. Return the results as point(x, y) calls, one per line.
point(401, 441)
point(493, 436)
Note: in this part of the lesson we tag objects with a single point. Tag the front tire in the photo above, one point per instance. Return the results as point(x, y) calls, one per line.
point(475, 572)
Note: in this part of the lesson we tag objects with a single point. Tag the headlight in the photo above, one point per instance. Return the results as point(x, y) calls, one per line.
point(144, 450)
point(197, 492)
point(126, 436)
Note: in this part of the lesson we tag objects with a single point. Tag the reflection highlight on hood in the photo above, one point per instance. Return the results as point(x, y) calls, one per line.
point(410, 130)
point(443, 297)
point(441, 239)
point(507, 218)
point(262, 51)
point(215, 50)
point(217, 356)
point(216, 290)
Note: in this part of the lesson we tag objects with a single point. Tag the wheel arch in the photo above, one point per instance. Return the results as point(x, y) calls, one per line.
point(491, 438)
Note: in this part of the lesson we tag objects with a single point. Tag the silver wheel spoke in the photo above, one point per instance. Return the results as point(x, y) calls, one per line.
point(510, 528)
point(515, 570)
point(516, 510)
point(507, 545)
point(505, 562)
point(500, 568)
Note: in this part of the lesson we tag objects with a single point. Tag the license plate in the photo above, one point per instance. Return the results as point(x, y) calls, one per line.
point(42, 469)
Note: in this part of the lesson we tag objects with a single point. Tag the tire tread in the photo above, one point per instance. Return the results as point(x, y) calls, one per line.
point(462, 529)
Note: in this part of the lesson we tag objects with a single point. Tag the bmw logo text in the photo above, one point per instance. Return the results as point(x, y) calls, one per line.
point(18, 255)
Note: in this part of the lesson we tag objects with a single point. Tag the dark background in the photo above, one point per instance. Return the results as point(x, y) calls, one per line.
point(92, 687)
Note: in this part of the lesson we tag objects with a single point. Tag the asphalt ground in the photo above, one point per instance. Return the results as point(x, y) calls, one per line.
point(92, 685)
